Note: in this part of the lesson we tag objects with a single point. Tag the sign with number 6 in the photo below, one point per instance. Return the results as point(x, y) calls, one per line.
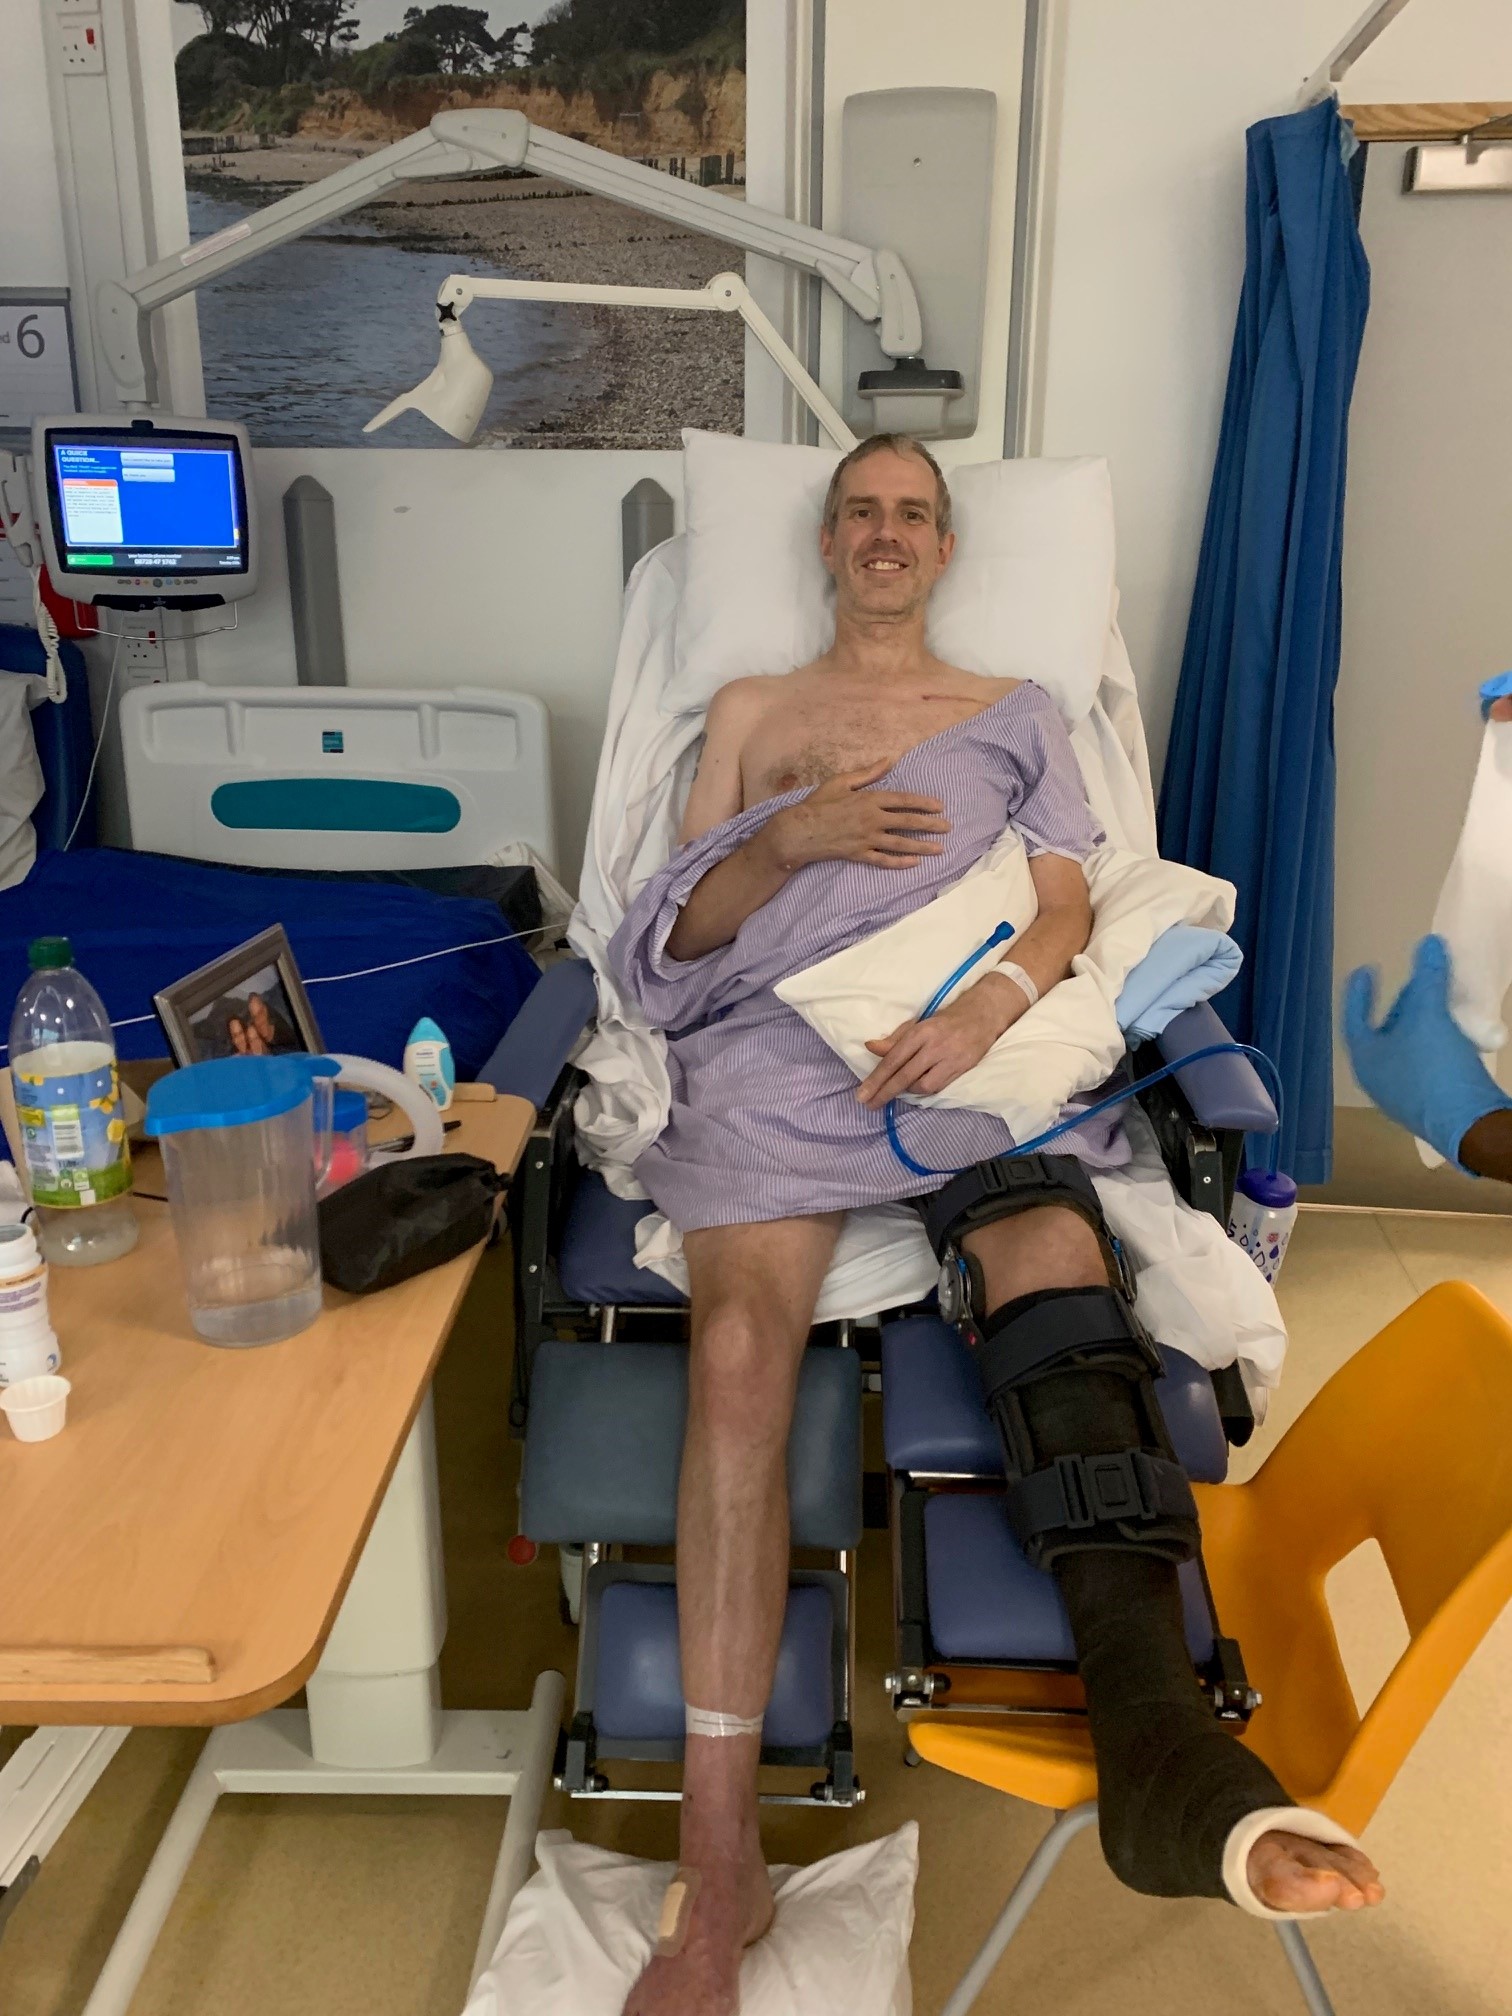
point(37, 374)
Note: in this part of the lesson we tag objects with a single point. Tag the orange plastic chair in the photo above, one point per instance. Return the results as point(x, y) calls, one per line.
point(1407, 1444)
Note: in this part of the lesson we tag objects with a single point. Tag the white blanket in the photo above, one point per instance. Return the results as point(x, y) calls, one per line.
point(1204, 1296)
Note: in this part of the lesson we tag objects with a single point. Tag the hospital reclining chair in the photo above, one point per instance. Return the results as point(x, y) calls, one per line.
point(600, 1396)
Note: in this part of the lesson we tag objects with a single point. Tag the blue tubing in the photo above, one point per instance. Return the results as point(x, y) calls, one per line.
point(1000, 937)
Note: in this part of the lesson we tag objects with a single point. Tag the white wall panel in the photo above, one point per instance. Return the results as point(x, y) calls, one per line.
point(484, 567)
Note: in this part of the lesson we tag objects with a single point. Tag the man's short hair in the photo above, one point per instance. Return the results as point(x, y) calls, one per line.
point(900, 444)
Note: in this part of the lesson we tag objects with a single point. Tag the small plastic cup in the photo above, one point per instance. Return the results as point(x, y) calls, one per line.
point(36, 1408)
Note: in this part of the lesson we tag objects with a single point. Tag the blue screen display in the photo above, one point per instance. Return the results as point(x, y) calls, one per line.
point(152, 506)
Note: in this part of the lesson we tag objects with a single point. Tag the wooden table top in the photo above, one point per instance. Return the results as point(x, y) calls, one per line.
point(178, 1554)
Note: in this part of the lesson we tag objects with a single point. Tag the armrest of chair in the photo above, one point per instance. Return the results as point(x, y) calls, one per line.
point(1224, 1093)
point(1200, 1121)
point(531, 1062)
point(535, 1047)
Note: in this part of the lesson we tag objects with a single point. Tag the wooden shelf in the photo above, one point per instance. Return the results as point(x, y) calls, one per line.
point(1421, 122)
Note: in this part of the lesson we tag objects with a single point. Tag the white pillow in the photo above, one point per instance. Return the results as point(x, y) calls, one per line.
point(579, 1935)
point(1069, 1040)
point(1029, 593)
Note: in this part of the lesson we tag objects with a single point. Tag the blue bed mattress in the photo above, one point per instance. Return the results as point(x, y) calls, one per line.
point(139, 922)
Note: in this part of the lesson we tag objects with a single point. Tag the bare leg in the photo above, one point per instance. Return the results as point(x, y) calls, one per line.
point(1168, 1769)
point(753, 1292)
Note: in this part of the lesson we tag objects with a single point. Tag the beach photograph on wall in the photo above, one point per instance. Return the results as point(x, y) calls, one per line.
point(308, 342)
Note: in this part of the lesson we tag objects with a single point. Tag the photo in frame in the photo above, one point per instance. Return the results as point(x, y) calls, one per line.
point(250, 1002)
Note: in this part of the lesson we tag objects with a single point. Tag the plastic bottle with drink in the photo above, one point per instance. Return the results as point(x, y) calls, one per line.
point(68, 1106)
point(1263, 1215)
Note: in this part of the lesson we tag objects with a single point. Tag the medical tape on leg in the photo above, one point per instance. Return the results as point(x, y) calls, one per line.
point(710, 1722)
point(677, 1912)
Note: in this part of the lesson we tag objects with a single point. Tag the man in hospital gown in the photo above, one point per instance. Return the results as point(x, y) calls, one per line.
point(828, 803)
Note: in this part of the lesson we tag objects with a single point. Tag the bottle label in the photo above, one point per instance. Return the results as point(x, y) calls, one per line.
point(28, 1358)
point(73, 1134)
point(23, 1299)
point(1264, 1235)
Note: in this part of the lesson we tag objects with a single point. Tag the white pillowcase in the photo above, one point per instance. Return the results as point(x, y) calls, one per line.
point(579, 1934)
point(1069, 1040)
point(1028, 594)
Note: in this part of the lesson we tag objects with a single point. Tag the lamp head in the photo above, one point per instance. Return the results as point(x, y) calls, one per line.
point(454, 395)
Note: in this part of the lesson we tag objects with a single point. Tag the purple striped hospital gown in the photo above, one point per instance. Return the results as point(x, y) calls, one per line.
point(764, 1120)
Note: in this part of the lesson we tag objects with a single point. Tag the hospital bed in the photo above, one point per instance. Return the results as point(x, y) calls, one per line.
point(389, 833)
point(600, 1383)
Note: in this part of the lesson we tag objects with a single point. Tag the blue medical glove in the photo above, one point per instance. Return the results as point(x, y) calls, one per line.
point(1419, 1066)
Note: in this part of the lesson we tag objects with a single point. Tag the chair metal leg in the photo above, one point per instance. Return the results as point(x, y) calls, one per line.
point(1314, 1994)
point(1016, 1910)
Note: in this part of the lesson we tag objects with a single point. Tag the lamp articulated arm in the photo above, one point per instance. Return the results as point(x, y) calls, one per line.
point(455, 393)
point(872, 282)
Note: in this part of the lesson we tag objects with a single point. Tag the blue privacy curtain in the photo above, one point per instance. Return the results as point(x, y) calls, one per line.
point(1248, 791)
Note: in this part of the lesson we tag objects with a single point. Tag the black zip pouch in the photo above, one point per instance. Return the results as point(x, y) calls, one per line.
point(406, 1217)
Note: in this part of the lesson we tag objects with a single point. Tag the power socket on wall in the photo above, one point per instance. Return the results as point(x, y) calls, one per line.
point(143, 660)
point(81, 47)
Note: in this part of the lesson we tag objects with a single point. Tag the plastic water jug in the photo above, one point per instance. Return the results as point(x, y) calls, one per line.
point(245, 1142)
point(68, 1107)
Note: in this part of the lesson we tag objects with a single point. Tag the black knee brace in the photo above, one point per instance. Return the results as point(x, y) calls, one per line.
point(1069, 1376)
point(1037, 1360)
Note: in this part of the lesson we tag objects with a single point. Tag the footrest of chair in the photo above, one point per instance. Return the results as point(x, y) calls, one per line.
point(604, 1446)
point(631, 1677)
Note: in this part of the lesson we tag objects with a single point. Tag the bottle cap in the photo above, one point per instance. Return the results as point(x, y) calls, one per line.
point(44, 955)
point(1277, 1191)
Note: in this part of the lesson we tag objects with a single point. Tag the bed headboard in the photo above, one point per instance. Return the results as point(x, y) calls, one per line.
point(336, 777)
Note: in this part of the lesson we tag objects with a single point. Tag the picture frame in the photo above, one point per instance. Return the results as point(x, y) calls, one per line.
point(250, 1002)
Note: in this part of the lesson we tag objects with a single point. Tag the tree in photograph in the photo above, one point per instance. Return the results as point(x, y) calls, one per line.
point(298, 35)
point(459, 33)
point(512, 49)
point(580, 31)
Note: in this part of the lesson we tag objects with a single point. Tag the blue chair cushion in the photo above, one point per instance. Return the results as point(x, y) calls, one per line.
point(596, 1261)
point(986, 1602)
point(637, 1684)
point(934, 1422)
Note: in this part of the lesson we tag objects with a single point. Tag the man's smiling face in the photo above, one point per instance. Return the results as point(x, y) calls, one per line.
point(885, 551)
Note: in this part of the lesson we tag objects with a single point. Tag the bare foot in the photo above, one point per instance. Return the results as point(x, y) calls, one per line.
point(732, 1910)
point(1290, 1873)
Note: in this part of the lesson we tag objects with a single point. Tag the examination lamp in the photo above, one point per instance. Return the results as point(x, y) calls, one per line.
point(872, 281)
point(455, 393)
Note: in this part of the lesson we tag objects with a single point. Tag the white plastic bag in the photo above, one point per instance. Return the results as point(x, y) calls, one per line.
point(579, 1935)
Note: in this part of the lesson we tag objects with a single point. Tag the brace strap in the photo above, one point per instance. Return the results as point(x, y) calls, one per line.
point(1004, 1186)
point(710, 1722)
point(1035, 1332)
point(1129, 1488)
point(1135, 1497)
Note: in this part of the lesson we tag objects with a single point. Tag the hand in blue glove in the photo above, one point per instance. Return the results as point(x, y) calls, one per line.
point(1419, 1066)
